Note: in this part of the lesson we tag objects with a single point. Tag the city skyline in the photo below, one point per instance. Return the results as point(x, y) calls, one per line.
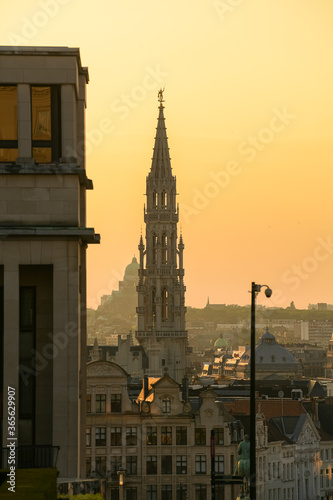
point(248, 116)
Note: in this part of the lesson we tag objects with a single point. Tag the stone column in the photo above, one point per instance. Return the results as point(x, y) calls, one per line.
point(24, 121)
point(11, 331)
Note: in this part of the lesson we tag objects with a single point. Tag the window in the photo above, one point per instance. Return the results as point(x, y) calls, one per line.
point(88, 403)
point(45, 114)
point(181, 464)
point(166, 405)
point(8, 123)
point(181, 435)
point(131, 493)
point(154, 249)
point(100, 403)
point(115, 403)
point(151, 492)
point(131, 465)
point(200, 492)
point(219, 435)
point(165, 297)
point(155, 199)
point(166, 492)
point(200, 436)
point(219, 464)
point(115, 464)
point(200, 464)
point(151, 435)
point(115, 436)
point(164, 199)
point(88, 466)
point(166, 435)
point(166, 464)
point(164, 248)
point(151, 464)
point(115, 493)
point(100, 436)
point(219, 492)
point(101, 465)
point(131, 436)
point(88, 436)
point(181, 492)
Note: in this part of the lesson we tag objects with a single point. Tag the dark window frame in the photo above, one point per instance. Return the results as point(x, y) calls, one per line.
point(200, 436)
point(100, 403)
point(116, 403)
point(181, 435)
point(151, 436)
point(116, 434)
point(151, 465)
point(55, 142)
point(10, 143)
point(166, 464)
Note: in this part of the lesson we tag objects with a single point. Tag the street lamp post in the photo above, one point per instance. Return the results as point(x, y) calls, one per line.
point(121, 473)
point(255, 289)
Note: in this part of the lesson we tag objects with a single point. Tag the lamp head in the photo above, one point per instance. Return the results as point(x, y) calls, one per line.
point(268, 292)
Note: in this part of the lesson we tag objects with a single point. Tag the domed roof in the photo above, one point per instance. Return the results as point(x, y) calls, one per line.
point(270, 353)
point(220, 342)
point(132, 269)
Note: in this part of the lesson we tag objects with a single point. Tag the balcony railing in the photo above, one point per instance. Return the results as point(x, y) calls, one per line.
point(31, 457)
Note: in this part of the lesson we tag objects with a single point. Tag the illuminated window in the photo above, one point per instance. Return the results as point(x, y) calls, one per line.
point(45, 127)
point(155, 199)
point(151, 436)
point(166, 435)
point(8, 123)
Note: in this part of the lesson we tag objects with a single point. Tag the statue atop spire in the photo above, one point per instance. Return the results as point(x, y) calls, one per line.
point(160, 97)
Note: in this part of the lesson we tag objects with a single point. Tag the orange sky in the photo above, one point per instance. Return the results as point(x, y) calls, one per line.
point(249, 113)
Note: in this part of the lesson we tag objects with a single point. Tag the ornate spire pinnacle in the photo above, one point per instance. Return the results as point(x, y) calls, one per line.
point(161, 165)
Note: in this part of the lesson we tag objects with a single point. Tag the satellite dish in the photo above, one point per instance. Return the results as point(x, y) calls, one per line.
point(280, 394)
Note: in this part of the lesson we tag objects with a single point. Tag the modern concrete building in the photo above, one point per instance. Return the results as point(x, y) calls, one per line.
point(43, 245)
point(161, 290)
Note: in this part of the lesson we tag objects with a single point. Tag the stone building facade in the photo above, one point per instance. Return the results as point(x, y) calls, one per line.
point(161, 439)
point(43, 245)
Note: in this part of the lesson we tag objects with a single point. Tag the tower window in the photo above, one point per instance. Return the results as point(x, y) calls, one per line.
point(164, 200)
point(165, 298)
point(155, 199)
point(153, 305)
point(164, 249)
point(154, 249)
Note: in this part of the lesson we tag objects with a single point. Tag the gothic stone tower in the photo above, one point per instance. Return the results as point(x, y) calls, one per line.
point(161, 304)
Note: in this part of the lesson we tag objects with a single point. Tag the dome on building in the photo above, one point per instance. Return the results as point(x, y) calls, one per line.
point(271, 358)
point(132, 269)
point(220, 343)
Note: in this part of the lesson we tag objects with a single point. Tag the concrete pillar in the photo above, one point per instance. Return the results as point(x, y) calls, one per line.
point(68, 122)
point(24, 120)
point(11, 332)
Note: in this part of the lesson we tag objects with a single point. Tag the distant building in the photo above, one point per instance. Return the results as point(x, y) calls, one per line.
point(329, 360)
point(161, 290)
point(160, 436)
point(272, 361)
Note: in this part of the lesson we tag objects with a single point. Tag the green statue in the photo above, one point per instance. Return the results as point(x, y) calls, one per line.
point(243, 463)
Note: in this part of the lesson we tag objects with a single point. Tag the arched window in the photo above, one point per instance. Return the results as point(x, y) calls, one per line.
point(164, 199)
point(154, 248)
point(165, 305)
point(155, 199)
point(164, 248)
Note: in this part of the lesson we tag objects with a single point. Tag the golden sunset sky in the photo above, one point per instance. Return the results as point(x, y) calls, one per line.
point(249, 114)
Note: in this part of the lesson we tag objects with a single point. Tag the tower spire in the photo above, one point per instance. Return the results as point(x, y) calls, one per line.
point(161, 164)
